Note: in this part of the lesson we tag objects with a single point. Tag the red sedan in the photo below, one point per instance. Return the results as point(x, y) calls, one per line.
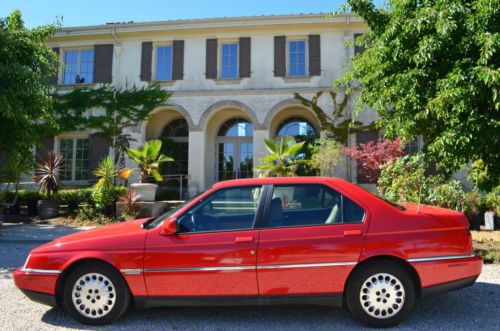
point(261, 241)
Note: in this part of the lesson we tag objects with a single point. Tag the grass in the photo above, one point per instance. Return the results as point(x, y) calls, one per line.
point(487, 245)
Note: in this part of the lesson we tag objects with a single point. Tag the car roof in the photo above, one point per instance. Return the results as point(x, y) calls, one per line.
point(279, 180)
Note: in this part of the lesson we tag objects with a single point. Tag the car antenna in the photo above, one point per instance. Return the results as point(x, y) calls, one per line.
point(419, 193)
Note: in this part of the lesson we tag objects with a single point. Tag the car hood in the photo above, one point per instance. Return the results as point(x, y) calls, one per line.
point(109, 237)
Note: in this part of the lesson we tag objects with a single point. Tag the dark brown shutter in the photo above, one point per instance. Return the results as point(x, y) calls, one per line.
point(358, 49)
point(54, 79)
point(178, 60)
point(245, 57)
point(99, 149)
point(211, 57)
point(362, 138)
point(146, 60)
point(103, 64)
point(279, 56)
point(314, 55)
point(45, 147)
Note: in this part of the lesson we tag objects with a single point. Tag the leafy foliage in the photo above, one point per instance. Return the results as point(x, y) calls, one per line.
point(47, 175)
point(431, 68)
point(122, 108)
point(106, 171)
point(374, 154)
point(326, 153)
point(26, 65)
point(149, 159)
point(128, 200)
point(11, 174)
point(282, 160)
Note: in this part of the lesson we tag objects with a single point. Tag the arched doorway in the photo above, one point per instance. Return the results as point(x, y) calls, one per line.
point(234, 150)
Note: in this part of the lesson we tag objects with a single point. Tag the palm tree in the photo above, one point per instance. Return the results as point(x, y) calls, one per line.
point(282, 160)
point(148, 158)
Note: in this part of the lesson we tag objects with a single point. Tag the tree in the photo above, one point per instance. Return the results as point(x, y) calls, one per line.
point(431, 68)
point(282, 160)
point(325, 155)
point(373, 155)
point(26, 66)
point(123, 108)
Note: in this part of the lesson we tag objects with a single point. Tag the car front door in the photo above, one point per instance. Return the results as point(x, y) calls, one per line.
point(214, 251)
point(310, 240)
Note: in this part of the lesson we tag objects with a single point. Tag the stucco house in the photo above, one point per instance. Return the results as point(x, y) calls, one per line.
point(233, 81)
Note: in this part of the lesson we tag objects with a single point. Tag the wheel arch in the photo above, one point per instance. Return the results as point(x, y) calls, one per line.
point(390, 258)
point(61, 280)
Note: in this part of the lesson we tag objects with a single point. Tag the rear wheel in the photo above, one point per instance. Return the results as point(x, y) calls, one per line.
point(96, 294)
point(381, 294)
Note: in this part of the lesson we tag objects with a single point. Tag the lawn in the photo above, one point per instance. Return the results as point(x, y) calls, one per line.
point(487, 245)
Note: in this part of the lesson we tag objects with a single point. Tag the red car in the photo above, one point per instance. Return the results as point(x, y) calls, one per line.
point(261, 241)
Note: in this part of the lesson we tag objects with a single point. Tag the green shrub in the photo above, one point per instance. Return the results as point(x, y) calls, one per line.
point(492, 201)
point(449, 195)
point(29, 197)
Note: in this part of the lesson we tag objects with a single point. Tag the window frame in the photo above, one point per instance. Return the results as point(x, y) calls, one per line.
point(74, 140)
point(155, 61)
point(78, 64)
point(306, 57)
point(220, 57)
point(258, 213)
point(264, 221)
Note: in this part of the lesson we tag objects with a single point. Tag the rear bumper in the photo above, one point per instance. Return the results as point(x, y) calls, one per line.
point(37, 282)
point(443, 275)
point(43, 298)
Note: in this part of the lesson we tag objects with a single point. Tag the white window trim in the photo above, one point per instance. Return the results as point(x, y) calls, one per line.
point(57, 147)
point(155, 61)
point(219, 59)
point(78, 63)
point(306, 55)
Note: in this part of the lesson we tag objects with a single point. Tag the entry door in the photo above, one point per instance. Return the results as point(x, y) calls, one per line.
point(234, 159)
point(311, 241)
point(214, 253)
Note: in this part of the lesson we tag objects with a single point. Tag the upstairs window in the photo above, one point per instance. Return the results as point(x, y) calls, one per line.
point(164, 62)
point(297, 58)
point(79, 66)
point(229, 61)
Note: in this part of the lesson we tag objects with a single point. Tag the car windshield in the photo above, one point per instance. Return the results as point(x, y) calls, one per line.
point(156, 221)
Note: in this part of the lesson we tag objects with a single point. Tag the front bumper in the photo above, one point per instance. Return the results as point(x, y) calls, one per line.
point(39, 287)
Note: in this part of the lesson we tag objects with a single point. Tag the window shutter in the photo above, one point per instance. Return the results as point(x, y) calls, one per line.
point(211, 58)
point(99, 149)
point(46, 146)
point(279, 56)
point(178, 60)
point(245, 57)
point(362, 138)
point(54, 79)
point(103, 63)
point(146, 60)
point(358, 49)
point(314, 55)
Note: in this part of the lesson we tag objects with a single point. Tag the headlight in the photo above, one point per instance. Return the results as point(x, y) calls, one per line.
point(26, 263)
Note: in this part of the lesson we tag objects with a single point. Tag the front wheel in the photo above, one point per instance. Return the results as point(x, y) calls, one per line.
point(381, 294)
point(96, 294)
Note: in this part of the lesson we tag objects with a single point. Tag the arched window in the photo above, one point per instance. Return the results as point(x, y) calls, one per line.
point(298, 128)
point(176, 129)
point(236, 128)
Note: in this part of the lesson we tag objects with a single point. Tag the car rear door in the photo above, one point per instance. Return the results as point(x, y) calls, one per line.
point(311, 238)
point(214, 253)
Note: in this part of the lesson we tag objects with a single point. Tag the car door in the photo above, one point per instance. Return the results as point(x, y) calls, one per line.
point(214, 251)
point(310, 240)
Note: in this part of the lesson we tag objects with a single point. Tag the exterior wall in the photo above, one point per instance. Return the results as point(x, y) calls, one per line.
point(263, 99)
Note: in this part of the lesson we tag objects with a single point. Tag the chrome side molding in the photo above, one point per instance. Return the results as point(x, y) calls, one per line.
point(440, 258)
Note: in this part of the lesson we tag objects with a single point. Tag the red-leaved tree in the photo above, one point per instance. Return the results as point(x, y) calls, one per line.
point(373, 155)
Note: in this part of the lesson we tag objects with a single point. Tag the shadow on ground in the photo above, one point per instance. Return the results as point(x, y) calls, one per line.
point(470, 308)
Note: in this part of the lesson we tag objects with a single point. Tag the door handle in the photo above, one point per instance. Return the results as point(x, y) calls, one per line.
point(353, 233)
point(248, 239)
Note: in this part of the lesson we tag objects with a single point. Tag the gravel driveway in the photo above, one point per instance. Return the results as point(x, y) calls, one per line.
point(472, 308)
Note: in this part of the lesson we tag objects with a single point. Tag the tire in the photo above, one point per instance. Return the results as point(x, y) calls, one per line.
point(381, 294)
point(96, 294)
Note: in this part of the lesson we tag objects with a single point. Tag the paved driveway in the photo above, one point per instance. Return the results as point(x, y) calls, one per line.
point(473, 308)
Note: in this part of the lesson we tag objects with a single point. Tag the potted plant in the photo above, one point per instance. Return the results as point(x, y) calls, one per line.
point(148, 159)
point(127, 205)
point(47, 178)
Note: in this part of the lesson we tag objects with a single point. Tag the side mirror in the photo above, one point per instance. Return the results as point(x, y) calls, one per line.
point(169, 227)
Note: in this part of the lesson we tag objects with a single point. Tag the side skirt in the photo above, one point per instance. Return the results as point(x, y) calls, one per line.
point(334, 300)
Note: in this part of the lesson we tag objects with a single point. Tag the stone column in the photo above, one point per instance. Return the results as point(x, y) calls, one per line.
point(259, 148)
point(196, 162)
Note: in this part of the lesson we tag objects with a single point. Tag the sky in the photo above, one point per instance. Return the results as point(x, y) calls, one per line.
point(94, 12)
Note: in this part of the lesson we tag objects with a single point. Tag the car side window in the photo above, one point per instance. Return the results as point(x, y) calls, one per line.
point(227, 209)
point(311, 204)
